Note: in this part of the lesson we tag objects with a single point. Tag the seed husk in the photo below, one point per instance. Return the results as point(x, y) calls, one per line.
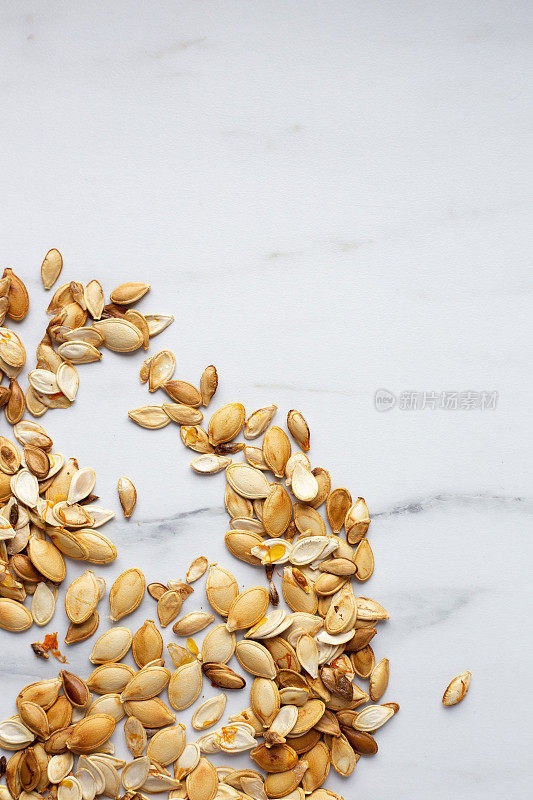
point(208, 384)
point(127, 495)
point(337, 505)
point(247, 608)
point(51, 268)
point(43, 604)
point(37, 461)
point(357, 521)
point(277, 511)
point(185, 685)
point(129, 292)
point(202, 782)
point(34, 717)
point(135, 736)
point(361, 741)
point(303, 483)
point(151, 417)
point(241, 544)
point(192, 623)
point(126, 593)
point(161, 369)
point(82, 598)
point(14, 616)
point(457, 689)
point(112, 645)
point(379, 679)
point(218, 645)
point(75, 688)
point(195, 438)
point(168, 607)
point(147, 644)
point(222, 676)
point(79, 352)
point(16, 405)
point(299, 429)
point(280, 784)
point(183, 392)
point(110, 678)
point(226, 423)
point(19, 302)
point(167, 745)
point(152, 713)
point(258, 421)
point(255, 659)
point(94, 299)
point(91, 733)
point(276, 450)
point(147, 683)
point(182, 414)
point(209, 712)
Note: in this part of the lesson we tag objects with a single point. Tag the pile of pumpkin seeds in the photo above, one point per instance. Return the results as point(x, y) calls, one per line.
point(305, 713)
point(68, 341)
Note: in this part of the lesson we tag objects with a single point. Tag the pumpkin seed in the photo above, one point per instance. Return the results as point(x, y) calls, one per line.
point(183, 392)
point(82, 597)
point(91, 733)
point(457, 689)
point(210, 463)
point(209, 712)
point(127, 495)
point(129, 292)
point(43, 604)
point(276, 450)
point(185, 686)
point(110, 678)
point(208, 384)
point(299, 429)
point(147, 644)
point(111, 646)
point(226, 423)
point(14, 616)
point(247, 608)
point(135, 736)
point(151, 417)
point(183, 415)
point(255, 659)
point(258, 421)
point(147, 683)
point(247, 481)
point(126, 593)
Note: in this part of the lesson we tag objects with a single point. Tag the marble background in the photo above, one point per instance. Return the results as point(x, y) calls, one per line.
point(332, 198)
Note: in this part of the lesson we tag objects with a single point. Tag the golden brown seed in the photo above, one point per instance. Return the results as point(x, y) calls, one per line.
point(276, 450)
point(337, 505)
point(51, 268)
point(127, 495)
point(208, 384)
point(226, 423)
point(126, 593)
point(299, 429)
point(183, 392)
point(147, 644)
point(16, 405)
point(19, 302)
point(457, 689)
point(91, 733)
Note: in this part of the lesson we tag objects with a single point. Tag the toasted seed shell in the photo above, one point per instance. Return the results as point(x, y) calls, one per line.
point(247, 481)
point(82, 597)
point(221, 589)
point(379, 679)
point(91, 733)
point(168, 607)
point(147, 644)
point(255, 659)
point(303, 483)
point(457, 689)
point(51, 268)
point(276, 450)
point(128, 292)
point(182, 414)
point(337, 506)
point(226, 423)
point(43, 604)
point(34, 717)
point(126, 593)
point(218, 645)
point(202, 782)
point(112, 645)
point(127, 495)
point(258, 421)
point(209, 712)
point(135, 736)
point(110, 678)
point(14, 616)
point(247, 608)
point(75, 688)
point(183, 392)
point(152, 713)
point(196, 438)
point(357, 521)
point(299, 429)
point(151, 417)
point(185, 685)
point(162, 368)
point(147, 683)
point(223, 676)
point(208, 384)
point(192, 623)
point(361, 741)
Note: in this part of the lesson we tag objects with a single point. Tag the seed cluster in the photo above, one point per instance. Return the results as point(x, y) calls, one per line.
point(306, 713)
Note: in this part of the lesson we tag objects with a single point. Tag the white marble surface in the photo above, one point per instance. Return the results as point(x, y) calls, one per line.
point(332, 198)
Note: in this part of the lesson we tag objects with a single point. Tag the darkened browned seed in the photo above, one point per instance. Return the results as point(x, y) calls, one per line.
point(362, 742)
point(229, 448)
point(3, 765)
point(222, 676)
point(39, 650)
point(75, 689)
